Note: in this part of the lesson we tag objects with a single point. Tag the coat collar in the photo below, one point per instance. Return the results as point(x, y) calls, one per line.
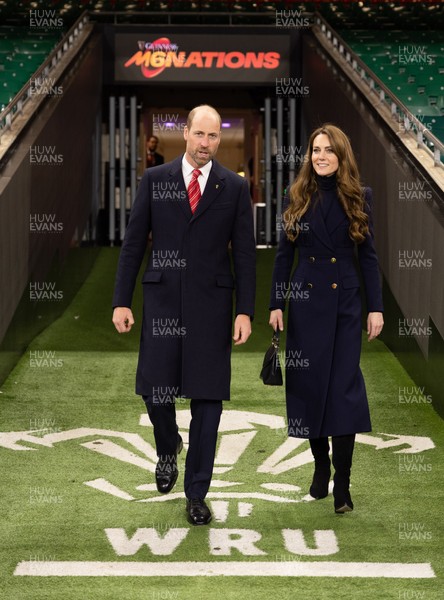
point(323, 228)
point(317, 224)
point(214, 186)
point(175, 176)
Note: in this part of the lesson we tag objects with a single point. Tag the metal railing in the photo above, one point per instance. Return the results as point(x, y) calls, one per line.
point(15, 106)
point(400, 113)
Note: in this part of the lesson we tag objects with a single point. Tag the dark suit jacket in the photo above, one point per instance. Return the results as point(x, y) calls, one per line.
point(188, 282)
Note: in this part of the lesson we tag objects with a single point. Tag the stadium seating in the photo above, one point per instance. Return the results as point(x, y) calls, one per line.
point(22, 51)
point(410, 64)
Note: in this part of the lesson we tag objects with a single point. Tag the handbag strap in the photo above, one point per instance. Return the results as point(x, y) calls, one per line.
point(275, 339)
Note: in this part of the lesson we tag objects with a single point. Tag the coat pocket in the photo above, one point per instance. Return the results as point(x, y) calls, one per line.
point(152, 277)
point(349, 282)
point(225, 281)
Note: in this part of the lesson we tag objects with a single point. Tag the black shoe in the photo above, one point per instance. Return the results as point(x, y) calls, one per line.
point(167, 472)
point(319, 485)
point(198, 512)
point(343, 502)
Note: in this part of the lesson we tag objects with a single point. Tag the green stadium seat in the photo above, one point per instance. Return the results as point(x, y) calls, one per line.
point(418, 85)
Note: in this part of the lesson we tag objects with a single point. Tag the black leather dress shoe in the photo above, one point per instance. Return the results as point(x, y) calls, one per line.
point(167, 472)
point(198, 512)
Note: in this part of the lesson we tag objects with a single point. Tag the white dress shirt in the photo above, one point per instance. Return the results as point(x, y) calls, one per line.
point(187, 172)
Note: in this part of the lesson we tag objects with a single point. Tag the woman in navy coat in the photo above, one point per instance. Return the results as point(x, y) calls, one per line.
point(328, 219)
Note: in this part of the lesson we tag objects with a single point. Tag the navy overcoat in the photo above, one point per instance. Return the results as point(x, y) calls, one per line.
point(188, 282)
point(325, 390)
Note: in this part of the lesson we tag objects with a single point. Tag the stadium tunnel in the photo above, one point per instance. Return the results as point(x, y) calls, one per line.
point(54, 213)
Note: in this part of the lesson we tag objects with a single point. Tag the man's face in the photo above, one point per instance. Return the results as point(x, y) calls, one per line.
point(203, 139)
point(152, 144)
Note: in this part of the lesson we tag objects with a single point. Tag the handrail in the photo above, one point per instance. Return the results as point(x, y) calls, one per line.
point(424, 138)
point(15, 106)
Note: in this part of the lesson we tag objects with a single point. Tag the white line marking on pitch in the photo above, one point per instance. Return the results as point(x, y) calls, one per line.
point(229, 568)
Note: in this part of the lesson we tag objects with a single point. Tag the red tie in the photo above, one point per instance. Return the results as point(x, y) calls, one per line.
point(194, 190)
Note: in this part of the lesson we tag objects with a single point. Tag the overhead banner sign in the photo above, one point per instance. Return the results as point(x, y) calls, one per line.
point(186, 58)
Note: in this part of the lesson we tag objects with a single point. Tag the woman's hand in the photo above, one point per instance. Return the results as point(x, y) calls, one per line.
point(375, 323)
point(123, 319)
point(277, 319)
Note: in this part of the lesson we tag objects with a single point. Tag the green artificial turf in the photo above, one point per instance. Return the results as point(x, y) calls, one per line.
point(49, 514)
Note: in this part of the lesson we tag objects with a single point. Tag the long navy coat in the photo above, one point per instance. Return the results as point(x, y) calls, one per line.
point(325, 390)
point(188, 283)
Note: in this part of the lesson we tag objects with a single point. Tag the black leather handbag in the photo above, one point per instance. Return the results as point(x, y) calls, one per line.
point(271, 373)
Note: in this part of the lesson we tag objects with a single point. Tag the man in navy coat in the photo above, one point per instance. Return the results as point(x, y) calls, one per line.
point(200, 218)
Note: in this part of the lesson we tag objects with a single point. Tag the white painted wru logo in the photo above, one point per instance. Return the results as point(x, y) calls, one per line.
point(229, 493)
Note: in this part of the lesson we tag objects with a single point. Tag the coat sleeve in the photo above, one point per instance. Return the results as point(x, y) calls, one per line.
point(134, 245)
point(368, 262)
point(283, 264)
point(244, 253)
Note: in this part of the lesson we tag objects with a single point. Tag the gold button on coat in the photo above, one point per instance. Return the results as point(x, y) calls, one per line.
point(310, 285)
point(334, 285)
point(311, 259)
point(333, 260)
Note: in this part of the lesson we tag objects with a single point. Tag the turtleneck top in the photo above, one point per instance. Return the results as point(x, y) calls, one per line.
point(328, 192)
point(326, 182)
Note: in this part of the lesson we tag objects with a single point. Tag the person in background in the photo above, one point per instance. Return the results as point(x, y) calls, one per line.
point(153, 158)
point(326, 217)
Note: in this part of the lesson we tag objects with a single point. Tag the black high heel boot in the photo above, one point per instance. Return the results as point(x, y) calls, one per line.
point(319, 449)
point(342, 461)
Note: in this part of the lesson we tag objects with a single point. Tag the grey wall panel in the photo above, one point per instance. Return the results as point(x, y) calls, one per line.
point(63, 131)
point(14, 243)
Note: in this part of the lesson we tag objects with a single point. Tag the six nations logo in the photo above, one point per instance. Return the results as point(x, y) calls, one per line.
point(243, 436)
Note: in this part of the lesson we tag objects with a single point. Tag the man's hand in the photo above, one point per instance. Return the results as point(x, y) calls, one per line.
point(123, 319)
point(242, 329)
point(277, 319)
point(375, 323)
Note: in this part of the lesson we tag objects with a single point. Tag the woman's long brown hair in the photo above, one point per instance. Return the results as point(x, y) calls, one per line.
point(350, 191)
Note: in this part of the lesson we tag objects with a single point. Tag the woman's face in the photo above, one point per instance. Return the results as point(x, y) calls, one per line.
point(323, 159)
